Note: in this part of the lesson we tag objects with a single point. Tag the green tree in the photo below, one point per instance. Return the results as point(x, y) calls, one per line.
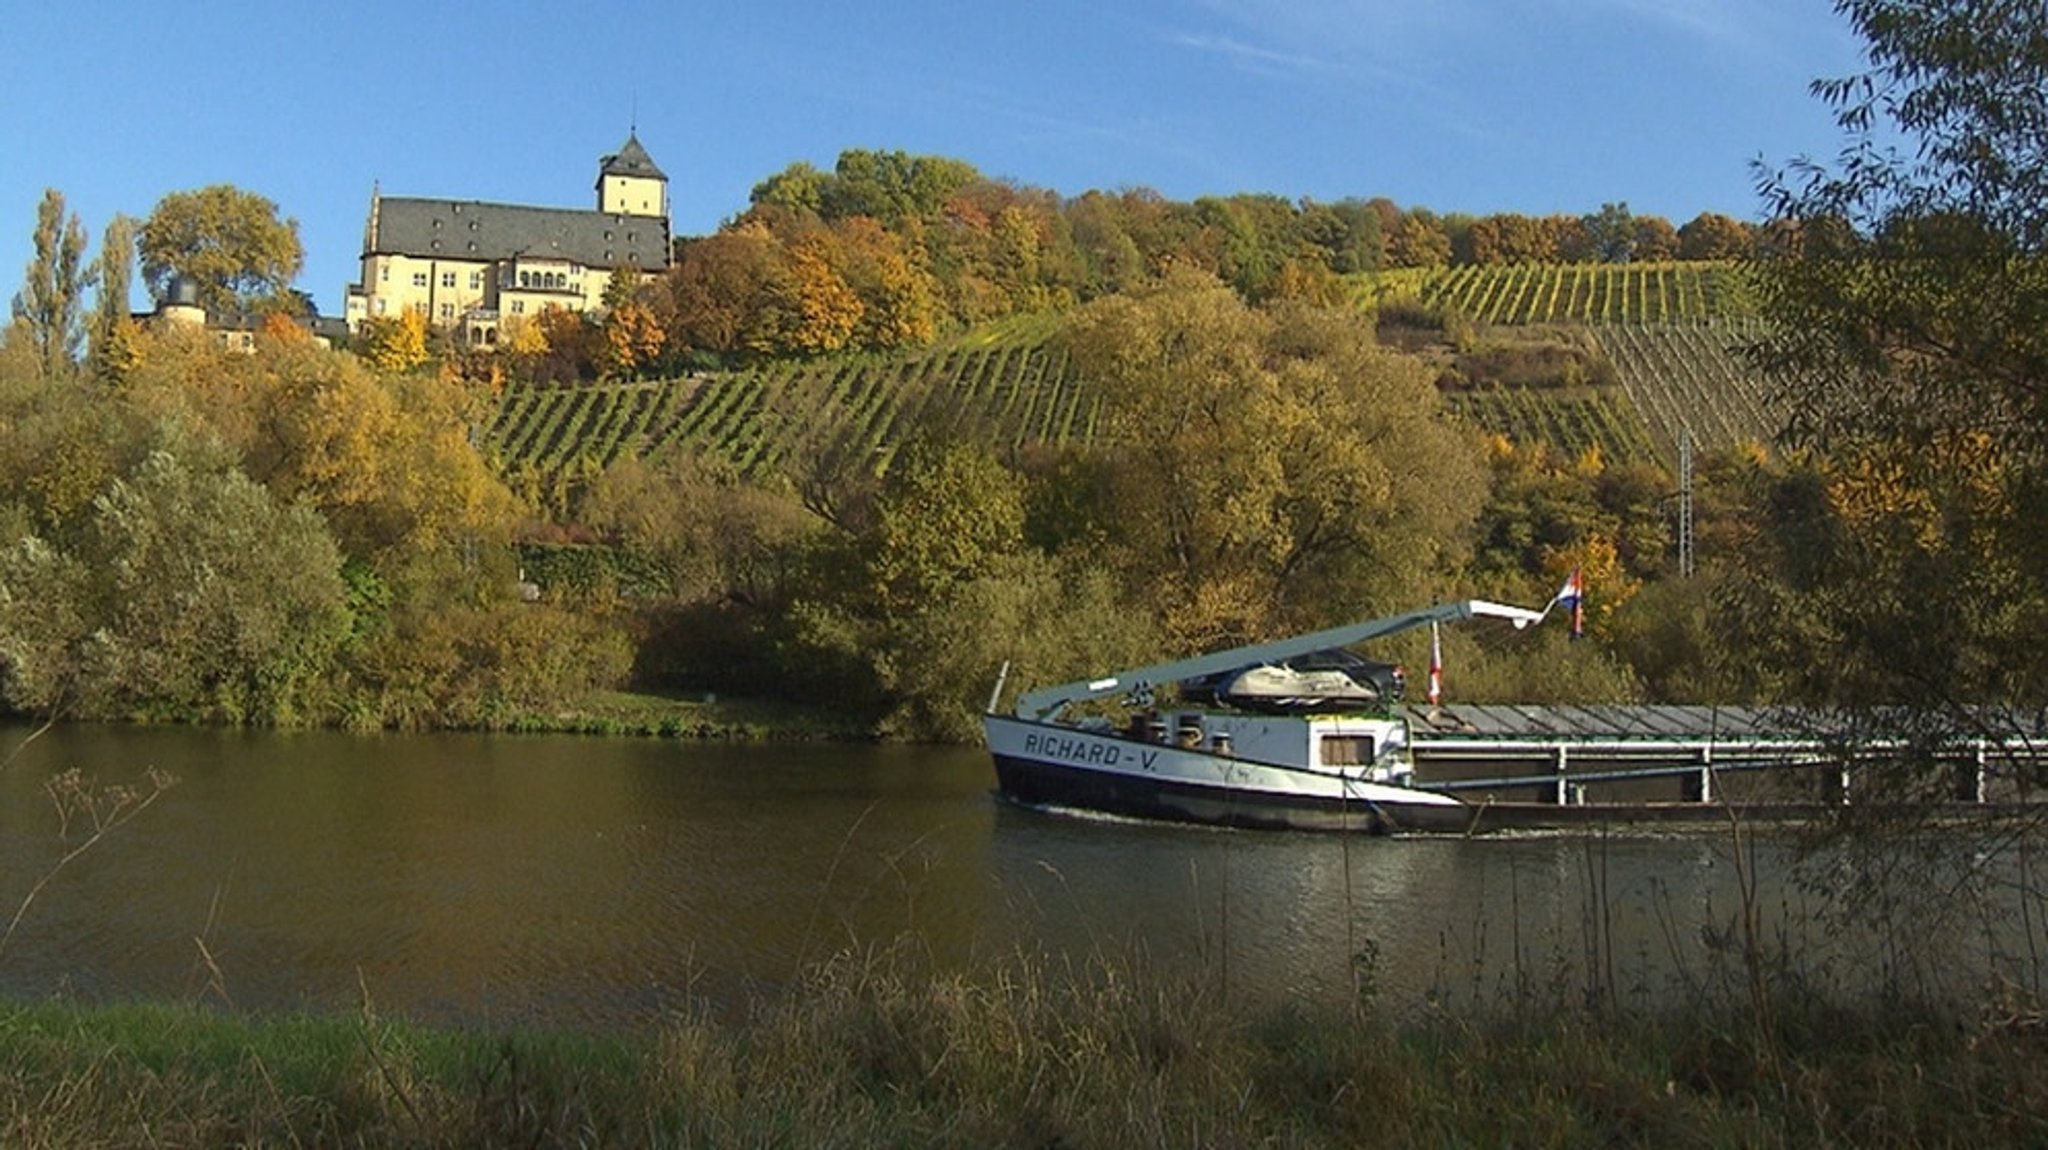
point(113, 335)
point(892, 186)
point(191, 594)
point(798, 188)
point(228, 243)
point(52, 297)
point(1612, 231)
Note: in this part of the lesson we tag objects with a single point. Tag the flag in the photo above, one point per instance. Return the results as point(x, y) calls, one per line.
point(1572, 596)
point(1436, 666)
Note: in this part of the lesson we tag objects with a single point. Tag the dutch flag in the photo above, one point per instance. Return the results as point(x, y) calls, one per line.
point(1572, 596)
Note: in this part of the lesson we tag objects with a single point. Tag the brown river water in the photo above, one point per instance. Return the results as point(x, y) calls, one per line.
point(594, 883)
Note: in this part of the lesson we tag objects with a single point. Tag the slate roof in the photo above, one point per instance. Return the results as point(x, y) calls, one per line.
point(475, 230)
point(631, 160)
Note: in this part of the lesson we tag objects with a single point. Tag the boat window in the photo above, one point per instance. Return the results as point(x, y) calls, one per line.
point(1347, 750)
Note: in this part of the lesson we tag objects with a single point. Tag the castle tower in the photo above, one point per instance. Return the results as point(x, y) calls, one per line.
point(628, 183)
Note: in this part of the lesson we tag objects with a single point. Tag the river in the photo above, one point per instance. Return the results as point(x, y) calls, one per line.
point(591, 883)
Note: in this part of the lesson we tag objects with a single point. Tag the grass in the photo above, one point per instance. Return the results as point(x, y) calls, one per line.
point(877, 1047)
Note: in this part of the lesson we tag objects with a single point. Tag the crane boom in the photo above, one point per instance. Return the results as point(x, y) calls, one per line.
point(1042, 704)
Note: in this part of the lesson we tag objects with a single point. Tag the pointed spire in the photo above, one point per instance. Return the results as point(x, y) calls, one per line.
point(630, 160)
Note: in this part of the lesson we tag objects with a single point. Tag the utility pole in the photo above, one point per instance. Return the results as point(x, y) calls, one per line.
point(1685, 503)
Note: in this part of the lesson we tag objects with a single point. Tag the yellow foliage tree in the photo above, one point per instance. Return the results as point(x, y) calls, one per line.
point(521, 336)
point(1602, 575)
point(822, 310)
point(633, 339)
point(394, 345)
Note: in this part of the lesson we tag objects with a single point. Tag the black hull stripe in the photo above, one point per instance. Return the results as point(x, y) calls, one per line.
point(1036, 783)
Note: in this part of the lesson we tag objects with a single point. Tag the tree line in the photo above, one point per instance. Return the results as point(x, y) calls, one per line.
point(889, 248)
point(891, 251)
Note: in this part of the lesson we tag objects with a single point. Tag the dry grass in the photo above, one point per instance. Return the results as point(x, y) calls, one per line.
point(877, 1048)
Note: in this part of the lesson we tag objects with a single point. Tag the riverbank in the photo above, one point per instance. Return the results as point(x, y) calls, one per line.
point(877, 1048)
point(703, 717)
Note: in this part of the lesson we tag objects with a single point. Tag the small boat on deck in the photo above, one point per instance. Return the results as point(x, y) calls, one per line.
point(1297, 733)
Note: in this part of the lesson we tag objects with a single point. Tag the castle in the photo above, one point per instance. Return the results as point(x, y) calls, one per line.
point(469, 266)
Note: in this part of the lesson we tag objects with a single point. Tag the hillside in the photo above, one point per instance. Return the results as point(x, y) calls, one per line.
point(1625, 358)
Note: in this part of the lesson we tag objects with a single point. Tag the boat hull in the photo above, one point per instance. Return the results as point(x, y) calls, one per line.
point(1050, 765)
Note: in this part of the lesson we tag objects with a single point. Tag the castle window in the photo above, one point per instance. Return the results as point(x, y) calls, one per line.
point(525, 279)
point(447, 279)
point(382, 305)
point(384, 274)
point(518, 307)
point(447, 311)
point(419, 279)
point(476, 281)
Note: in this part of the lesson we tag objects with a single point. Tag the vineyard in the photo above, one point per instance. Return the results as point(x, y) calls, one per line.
point(1516, 294)
point(1690, 378)
point(1011, 382)
point(1571, 420)
point(1668, 330)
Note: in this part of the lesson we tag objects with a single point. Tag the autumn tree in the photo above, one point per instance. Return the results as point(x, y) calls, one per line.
point(819, 310)
point(632, 341)
point(228, 243)
point(52, 297)
point(1655, 238)
point(386, 460)
point(899, 300)
point(1908, 563)
point(1267, 464)
point(393, 344)
point(1713, 236)
point(724, 290)
point(1418, 240)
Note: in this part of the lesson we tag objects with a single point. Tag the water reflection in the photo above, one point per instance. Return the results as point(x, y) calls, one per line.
point(588, 882)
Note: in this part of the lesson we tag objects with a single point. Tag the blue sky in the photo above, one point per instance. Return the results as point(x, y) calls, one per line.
point(1533, 106)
